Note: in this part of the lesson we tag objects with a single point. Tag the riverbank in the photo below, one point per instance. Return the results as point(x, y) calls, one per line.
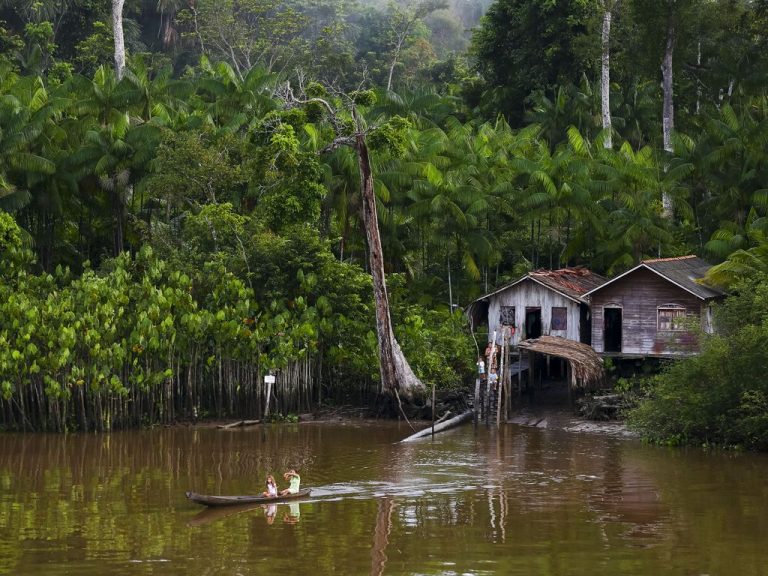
point(545, 417)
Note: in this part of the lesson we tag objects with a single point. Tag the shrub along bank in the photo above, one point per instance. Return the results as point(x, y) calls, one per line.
point(720, 397)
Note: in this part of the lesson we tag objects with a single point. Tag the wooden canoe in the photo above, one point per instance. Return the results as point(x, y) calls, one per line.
point(207, 500)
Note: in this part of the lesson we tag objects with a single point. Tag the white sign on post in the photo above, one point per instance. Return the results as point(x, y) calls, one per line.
point(269, 379)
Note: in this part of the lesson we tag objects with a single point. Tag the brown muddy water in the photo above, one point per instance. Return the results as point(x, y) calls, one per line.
point(519, 500)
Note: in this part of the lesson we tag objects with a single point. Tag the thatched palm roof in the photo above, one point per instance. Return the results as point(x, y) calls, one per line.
point(586, 364)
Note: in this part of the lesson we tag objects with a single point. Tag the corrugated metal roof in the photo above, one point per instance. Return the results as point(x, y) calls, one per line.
point(683, 271)
point(572, 283)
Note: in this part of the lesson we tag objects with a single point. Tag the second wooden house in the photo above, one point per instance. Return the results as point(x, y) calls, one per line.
point(655, 309)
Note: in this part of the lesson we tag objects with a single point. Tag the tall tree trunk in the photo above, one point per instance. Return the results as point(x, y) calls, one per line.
point(698, 80)
point(393, 64)
point(605, 74)
point(450, 287)
point(668, 110)
point(396, 374)
point(117, 30)
point(117, 207)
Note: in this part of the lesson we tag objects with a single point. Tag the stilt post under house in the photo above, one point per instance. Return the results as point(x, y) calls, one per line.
point(477, 400)
point(489, 367)
point(532, 370)
point(503, 369)
point(508, 385)
point(487, 403)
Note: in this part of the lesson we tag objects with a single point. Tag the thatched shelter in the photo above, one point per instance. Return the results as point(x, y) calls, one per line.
point(585, 364)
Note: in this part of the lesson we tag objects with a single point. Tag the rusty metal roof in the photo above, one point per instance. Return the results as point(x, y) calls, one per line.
point(572, 283)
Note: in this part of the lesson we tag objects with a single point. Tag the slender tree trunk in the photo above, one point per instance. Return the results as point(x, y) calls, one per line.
point(698, 80)
point(394, 63)
point(668, 110)
point(450, 287)
point(197, 28)
point(396, 374)
point(117, 29)
point(605, 74)
point(118, 211)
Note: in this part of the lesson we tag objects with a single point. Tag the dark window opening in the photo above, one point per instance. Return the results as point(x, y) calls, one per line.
point(532, 322)
point(612, 329)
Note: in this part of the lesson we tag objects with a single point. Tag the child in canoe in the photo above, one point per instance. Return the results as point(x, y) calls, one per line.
point(271, 491)
point(295, 481)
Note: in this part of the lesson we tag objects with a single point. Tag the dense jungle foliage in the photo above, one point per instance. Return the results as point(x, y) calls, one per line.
point(171, 236)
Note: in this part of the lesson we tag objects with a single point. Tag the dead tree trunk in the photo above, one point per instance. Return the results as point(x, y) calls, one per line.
point(397, 377)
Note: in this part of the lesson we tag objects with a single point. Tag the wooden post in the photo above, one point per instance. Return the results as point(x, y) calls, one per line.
point(488, 367)
point(477, 400)
point(433, 408)
point(519, 374)
point(532, 370)
point(508, 384)
point(269, 379)
point(501, 377)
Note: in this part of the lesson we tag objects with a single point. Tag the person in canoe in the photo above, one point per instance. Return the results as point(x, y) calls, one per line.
point(295, 481)
point(271, 491)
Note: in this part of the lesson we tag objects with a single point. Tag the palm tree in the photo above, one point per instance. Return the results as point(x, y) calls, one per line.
point(115, 144)
point(25, 112)
point(628, 186)
point(741, 264)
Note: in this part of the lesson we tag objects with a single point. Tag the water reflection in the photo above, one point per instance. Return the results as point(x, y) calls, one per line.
point(512, 501)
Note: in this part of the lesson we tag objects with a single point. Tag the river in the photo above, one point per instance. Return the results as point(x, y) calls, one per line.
point(518, 500)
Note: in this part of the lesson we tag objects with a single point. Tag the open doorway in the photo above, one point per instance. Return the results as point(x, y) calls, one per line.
point(612, 329)
point(532, 322)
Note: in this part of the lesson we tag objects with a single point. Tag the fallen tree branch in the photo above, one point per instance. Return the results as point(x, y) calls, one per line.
point(453, 422)
point(239, 423)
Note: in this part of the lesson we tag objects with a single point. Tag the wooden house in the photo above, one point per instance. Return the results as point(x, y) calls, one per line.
point(544, 302)
point(652, 309)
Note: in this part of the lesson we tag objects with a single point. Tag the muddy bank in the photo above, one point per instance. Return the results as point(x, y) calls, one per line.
point(558, 419)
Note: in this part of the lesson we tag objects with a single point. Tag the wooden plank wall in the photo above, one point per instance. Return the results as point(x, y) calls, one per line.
point(530, 294)
point(639, 295)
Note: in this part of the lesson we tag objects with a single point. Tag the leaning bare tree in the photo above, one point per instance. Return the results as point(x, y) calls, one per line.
point(350, 129)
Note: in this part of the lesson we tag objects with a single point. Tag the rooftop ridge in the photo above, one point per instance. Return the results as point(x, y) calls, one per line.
point(575, 270)
point(672, 259)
